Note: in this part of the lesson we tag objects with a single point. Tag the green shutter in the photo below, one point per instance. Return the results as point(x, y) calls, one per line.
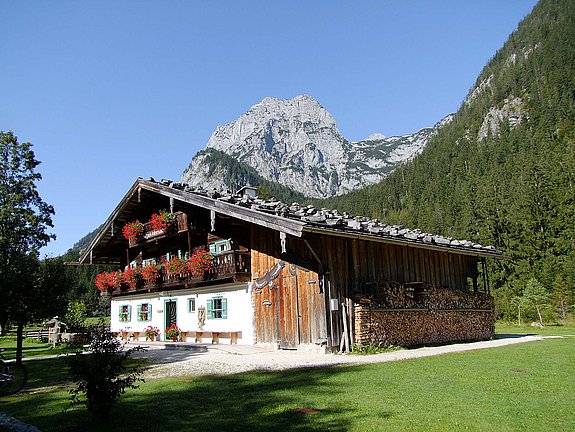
point(148, 312)
point(224, 308)
point(210, 307)
point(129, 313)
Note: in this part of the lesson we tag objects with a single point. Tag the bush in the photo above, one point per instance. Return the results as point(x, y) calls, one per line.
point(75, 317)
point(376, 348)
point(102, 375)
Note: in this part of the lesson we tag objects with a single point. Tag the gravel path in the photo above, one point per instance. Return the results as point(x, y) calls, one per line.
point(177, 360)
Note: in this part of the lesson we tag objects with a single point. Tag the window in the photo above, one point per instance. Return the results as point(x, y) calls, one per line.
point(220, 246)
point(125, 313)
point(217, 308)
point(191, 305)
point(145, 312)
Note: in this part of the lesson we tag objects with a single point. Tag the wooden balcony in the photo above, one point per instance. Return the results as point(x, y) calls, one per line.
point(150, 234)
point(227, 267)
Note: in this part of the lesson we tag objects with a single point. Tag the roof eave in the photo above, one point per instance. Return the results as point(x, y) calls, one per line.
point(407, 242)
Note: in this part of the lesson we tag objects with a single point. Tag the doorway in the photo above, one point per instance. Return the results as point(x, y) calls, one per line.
point(170, 313)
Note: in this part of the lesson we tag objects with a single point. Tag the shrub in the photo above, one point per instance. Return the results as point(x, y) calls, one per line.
point(75, 317)
point(375, 348)
point(102, 375)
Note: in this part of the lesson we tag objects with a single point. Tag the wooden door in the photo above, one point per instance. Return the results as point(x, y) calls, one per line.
point(289, 318)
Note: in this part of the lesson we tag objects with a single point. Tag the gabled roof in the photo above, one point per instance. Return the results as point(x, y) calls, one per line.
point(292, 219)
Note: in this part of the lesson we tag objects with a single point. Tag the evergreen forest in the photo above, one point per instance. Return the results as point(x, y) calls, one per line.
point(503, 171)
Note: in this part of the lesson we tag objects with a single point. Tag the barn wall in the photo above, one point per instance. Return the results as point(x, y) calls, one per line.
point(357, 267)
point(290, 310)
point(354, 263)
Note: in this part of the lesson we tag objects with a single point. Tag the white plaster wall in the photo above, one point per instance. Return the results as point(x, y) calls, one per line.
point(240, 312)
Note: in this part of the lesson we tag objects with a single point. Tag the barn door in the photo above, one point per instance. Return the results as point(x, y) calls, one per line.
point(288, 324)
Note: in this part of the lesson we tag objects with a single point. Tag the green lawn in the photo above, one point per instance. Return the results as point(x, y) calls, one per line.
point(548, 330)
point(32, 348)
point(524, 387)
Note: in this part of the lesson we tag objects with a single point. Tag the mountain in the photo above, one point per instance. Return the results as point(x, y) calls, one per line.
point(503, 171)
point(296, 143)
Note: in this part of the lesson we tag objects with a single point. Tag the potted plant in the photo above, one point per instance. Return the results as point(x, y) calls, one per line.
point(176, 266)
point(109, 281)
point(131, 276)
point(150, 274)
point(162, 220)
point(172, 332)
point(102, 282)
point(199, 262)
point(151, 332)
point(133, 231)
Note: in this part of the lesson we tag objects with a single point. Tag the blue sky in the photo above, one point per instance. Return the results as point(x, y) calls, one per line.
point(107, 91)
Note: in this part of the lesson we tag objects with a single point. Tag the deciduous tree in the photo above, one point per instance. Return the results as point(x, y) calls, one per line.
point(24, 222)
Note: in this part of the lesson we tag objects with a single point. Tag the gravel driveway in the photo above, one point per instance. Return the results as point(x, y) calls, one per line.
point(177, 359)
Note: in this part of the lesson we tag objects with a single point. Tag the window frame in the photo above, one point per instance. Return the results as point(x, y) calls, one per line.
point(125, 309)
point(192, 302)
point(148, 312)
point(222, 311)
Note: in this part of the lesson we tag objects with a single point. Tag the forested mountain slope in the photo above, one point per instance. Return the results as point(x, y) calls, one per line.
point(503, 171)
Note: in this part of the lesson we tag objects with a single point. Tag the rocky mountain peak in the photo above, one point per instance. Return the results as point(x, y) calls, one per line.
point(295, 142)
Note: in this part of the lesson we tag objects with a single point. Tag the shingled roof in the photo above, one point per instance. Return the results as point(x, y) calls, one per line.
point(294, 219)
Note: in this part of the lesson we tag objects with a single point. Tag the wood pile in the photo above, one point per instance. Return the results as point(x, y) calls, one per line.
point(422, 295)
point(416, 314)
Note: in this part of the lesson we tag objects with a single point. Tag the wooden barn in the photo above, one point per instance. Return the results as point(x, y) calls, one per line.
point(287, 275)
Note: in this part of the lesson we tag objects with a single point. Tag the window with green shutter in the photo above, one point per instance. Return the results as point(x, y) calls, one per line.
point(145, 312)
point(217, 308)
point(125, 313)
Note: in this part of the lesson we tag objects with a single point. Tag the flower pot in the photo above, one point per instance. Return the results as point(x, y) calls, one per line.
point(174, 338)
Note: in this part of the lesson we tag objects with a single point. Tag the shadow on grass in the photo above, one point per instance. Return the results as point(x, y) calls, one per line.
point(255, 401)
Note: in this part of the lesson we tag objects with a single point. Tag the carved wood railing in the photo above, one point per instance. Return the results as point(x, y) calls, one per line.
point(231, 266)
point(178, 226)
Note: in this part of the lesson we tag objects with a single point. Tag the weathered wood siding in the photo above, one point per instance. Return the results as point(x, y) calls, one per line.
point(290, 311)
point(354, 267)
point(324, 274)
point(353, 263)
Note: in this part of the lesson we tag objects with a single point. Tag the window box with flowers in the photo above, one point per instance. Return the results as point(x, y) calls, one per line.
point(162, 220)
point(133, 231)
point(176, 267)
point(145, 312)
point(132, 277)
point(172, 332)
point(199, 263)
point(150, 274)
point(125, 313)
point(107, 282)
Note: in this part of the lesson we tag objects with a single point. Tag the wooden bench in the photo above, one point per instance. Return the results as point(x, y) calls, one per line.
point(215, 335)
point(37, 334)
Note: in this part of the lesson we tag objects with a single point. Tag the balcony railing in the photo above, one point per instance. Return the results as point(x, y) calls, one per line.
point(179, 225)
point(231, 266)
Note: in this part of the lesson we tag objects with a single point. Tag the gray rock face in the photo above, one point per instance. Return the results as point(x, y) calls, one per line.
point(296, 143)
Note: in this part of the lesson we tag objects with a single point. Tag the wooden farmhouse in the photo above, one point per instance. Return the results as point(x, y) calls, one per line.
point(290, 276)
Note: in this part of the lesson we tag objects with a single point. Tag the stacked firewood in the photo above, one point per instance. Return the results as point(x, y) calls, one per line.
point(422, 295)
point(417, 314)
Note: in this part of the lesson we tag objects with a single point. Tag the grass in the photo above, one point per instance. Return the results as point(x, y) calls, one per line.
point(549, 329)
point(32, 348)
point(519, 387)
